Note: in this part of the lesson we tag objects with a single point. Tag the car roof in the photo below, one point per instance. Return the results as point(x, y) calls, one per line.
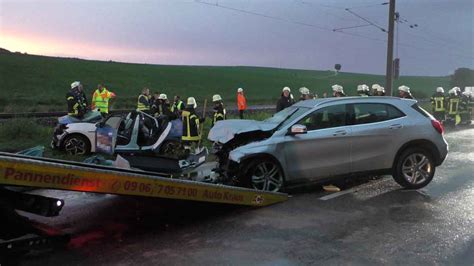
point(355, 99)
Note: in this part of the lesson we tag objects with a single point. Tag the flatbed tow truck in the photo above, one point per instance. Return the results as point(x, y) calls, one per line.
point(20, 235)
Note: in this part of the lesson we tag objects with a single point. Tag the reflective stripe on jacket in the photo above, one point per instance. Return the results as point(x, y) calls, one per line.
point(453, 105)
point(190, 126)
point(438, 103)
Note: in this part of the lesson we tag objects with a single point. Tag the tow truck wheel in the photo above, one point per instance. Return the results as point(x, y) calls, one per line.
point(76, 145)
point(264, 174)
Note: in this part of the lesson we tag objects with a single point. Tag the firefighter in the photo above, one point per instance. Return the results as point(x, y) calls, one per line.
point(464, 108)
point(75, 107)
point(241, 102)
point(177, 106)
point(375, 89)
point(101, 99)
point(143, 103)
point(363, 90)
point(305, 94)
point(453, 106)
point(338, 91)
point(191, 123)
point(404, 92)
point(164, 107)
point(380, 91)
point(219, 110)
point(438, 104)
point(286, 99)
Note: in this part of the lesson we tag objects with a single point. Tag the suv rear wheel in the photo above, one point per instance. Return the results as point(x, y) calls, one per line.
point(414, 168)
point(263, 174)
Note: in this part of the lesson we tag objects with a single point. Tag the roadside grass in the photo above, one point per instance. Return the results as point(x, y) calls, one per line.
point(30, 83)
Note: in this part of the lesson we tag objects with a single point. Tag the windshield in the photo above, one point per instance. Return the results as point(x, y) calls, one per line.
point(287, 115)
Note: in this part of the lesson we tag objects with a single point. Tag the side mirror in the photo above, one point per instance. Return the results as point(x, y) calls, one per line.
point(297, 129)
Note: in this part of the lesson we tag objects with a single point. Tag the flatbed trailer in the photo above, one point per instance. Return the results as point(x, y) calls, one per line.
point(44, 173)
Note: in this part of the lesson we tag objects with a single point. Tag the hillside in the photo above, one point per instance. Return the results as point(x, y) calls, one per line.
point(39, 83)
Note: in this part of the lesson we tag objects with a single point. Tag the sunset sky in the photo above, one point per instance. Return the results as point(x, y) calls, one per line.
point(278, 33)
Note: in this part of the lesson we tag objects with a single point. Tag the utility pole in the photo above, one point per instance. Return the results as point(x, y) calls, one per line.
point(391, 29)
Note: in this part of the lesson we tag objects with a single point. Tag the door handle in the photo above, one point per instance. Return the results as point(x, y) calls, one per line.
point(396, 126)
point(340, 133)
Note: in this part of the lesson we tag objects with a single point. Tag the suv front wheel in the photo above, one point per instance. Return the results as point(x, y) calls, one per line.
point(414, 168)
point(263, 174)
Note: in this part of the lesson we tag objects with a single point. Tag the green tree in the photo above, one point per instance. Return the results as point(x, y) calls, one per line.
point(462, 77)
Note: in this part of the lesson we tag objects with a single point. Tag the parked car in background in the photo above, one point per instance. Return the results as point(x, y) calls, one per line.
point(319, 140)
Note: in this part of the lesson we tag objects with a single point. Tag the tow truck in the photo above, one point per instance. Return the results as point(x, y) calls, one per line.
point(20, 235)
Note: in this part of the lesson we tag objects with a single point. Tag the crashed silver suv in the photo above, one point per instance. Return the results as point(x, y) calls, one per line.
point(319, 140)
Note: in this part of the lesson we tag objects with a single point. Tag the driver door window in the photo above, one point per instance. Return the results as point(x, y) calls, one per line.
point(326, 117)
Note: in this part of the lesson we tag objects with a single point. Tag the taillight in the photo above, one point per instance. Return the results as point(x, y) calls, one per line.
point(438, 126)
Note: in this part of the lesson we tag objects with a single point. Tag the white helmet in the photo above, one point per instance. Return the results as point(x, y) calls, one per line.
point(404, 88)
point(362, 87)
point(163, 97)
point(240, 90)
point(304, 90)
point(191, 101)
point(453, 91)
point(75, 84)
point(375, 86)
point(337, 88)
point(380, 89)
point(216, 98)
point(457, 89)
point(440, 89)
point(286, 89)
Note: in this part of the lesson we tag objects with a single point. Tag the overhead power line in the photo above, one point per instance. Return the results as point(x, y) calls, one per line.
point(339, 31)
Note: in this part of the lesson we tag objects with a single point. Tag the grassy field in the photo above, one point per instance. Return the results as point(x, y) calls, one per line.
point(31, 83)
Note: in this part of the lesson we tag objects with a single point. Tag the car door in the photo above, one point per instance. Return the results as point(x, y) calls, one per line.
point(375, 126)
point(324, 150)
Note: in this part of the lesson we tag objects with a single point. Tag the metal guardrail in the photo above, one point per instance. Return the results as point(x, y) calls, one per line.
point(123, 111)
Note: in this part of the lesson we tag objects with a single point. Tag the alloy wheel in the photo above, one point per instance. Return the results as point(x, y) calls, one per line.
point(267, 176)
point(416, 168)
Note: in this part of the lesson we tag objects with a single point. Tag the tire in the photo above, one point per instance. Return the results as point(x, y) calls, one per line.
point(263, 174)
point(414, 168)
point(76, 145)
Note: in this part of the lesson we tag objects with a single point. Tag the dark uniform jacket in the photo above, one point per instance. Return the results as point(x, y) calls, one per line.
point(219, 113)
point(284, 102)
point(75, 106)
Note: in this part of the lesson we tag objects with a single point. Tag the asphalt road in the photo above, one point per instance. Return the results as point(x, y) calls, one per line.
point(369, 224)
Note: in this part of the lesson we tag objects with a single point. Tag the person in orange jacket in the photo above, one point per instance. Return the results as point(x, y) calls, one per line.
point(241, 102)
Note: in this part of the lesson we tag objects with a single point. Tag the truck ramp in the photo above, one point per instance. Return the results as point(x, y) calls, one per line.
point(21, 170)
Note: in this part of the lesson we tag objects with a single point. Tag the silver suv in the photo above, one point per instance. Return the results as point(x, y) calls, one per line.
point(318, 140)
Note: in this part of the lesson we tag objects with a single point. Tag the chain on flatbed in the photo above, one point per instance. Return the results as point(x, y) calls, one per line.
point(19, 170)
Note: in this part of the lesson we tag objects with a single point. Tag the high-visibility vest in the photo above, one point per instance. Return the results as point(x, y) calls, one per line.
point(453, 105)
point(177, 106)
point(141, 106)
point(439, 104)
point(100, 100)
point(190, 127)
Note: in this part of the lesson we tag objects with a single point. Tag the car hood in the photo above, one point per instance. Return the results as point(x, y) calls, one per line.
point(225, 130)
